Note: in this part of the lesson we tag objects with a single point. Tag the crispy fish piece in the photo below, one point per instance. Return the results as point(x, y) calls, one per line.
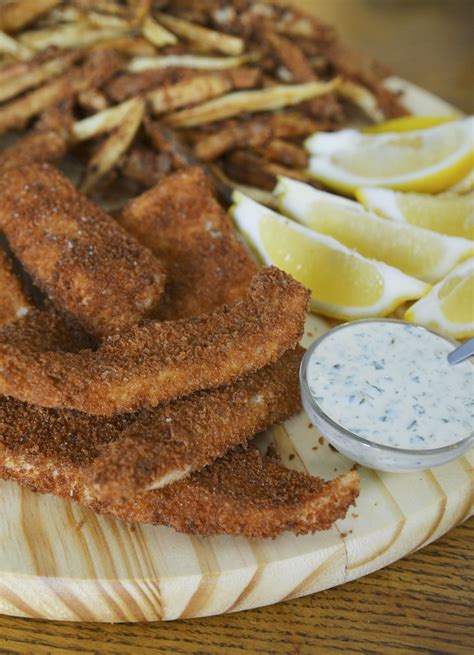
point(184, 226)
point(159, 361)
point(13, 302)
point(42, 146)
point(242, 494)
point(76, 253)
point(116, 458)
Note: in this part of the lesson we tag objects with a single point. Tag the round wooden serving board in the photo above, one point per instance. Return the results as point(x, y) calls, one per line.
point(59, 561)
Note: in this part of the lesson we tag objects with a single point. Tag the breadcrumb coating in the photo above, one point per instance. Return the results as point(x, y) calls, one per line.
point(13, 302)
point(76, 253)
point(160, 361)
point(184, 226)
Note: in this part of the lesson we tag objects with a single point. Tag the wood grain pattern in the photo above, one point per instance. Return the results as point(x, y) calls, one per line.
point(60, 561)
point(422, 604)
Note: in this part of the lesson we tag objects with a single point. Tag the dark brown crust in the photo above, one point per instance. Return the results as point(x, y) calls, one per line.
point(185, 227)
point(161, 360)
point(242, 494)
point(114, 459)
point(45, 146)
point(165, 444)
point(13, 302)
point(76, 253)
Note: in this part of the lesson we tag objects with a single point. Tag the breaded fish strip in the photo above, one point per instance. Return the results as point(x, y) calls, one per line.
point(240, 494)
point(76, 253)
point(160, 361)
point(185, 227)
point(117, 458)
point(13, 302)
point(44, 146)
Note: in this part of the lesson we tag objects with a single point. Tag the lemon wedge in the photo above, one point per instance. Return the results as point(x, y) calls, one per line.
point(447, 213)
point(429, 160)
point(343, 284)
point(449, 307)
point(414, 250)
point(465, 185)
point(408, 123)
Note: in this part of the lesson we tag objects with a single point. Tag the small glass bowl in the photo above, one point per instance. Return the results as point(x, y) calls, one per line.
point(363, 451)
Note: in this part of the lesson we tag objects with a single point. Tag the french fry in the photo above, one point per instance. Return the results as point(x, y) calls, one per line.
point(16, 114)
point(128, 85)
point(269, 99)
point(69, 35)
point(14, 16)
point(10, 46)
point(108, 154)
point(252, 133)
point(104, 6)
point(157, 34)
point(196, 62)
point(92, 100)
point(285, 153)
point(104, 121)
point(34, 75)
point(139, 9)
point(361, 97)
point(61, 15)
point(259, 195)
point(107, 21)
point(131, 46)
point(210, 39)
point(200, 88)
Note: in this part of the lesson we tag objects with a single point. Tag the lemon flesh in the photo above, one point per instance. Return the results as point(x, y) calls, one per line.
point(429, 160)
point(343, 284)
point(415, 251)
point(449, 307)
point(445, 213)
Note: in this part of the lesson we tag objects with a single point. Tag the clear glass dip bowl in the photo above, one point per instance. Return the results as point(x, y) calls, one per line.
point(367, 452)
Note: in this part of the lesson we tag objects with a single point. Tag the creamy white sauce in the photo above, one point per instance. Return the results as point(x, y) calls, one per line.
point(391, 384)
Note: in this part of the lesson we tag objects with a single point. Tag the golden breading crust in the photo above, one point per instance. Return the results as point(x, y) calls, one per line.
point(184, 226)
point(45, 146)
point(113, 459)
point(241, 494)
point(160, 361)
point(13, 302)
point(76, 253)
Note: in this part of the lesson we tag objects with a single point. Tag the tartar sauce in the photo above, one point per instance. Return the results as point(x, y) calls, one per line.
point(391, 383)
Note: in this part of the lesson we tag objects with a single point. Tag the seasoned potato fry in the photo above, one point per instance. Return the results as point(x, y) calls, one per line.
point(36, 74)
point(362, 98)
point(11, 46)
point(132, 46)
point(210, 39)
point(196, 62)
point(285, 153)
point(92, 100)
point(108, 21)
point(69, 35)
point(14, 16)
point(104, 121)
point(108, 154)
point(252, 133)
point(16, 114)
point(156, 33)
point(199, 88)
point(139, 9)
point(272, 98)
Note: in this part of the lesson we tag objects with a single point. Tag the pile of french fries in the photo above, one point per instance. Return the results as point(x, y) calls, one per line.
point(136, 89)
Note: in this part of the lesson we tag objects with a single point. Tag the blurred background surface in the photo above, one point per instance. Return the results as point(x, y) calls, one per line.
point(428, 42)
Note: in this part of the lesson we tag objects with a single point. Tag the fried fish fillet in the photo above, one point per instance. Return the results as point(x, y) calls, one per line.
point(117, 458)
point(76, 253)
point(41, 146)
point(13, 302)
point(159, 361)
point(185, 227)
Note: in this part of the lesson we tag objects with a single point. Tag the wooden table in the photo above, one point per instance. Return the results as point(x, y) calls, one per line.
point(422, 604)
